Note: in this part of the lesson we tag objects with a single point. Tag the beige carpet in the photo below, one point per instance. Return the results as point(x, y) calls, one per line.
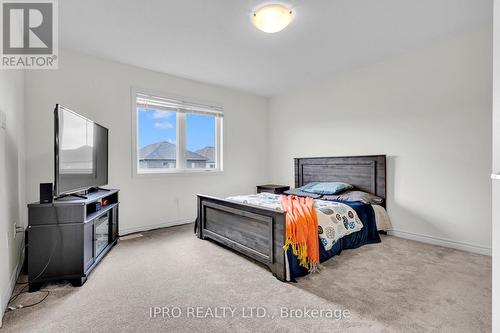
point(396, 286)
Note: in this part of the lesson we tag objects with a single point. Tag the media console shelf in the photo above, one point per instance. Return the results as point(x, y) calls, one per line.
point(69, 237)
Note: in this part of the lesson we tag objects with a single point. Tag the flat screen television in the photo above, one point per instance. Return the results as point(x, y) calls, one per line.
point(81, 152)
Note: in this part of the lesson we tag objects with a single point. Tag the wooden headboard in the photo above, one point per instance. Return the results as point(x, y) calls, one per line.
point(366, 173)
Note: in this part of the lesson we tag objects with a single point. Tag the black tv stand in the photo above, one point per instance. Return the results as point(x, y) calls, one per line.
point(67, 238)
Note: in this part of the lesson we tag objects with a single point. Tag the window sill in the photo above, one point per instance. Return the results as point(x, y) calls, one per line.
point(168, 173)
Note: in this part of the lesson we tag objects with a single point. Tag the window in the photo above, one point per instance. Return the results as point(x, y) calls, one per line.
point(176, 136)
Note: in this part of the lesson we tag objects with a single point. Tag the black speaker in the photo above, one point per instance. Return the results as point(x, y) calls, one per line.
point(46, 193)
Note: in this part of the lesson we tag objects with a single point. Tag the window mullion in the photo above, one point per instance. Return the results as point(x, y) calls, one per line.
point(181, 140)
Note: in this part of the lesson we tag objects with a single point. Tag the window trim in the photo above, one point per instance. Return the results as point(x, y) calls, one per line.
point(181, 141)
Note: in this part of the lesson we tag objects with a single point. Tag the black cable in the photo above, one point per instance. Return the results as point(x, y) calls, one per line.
point(50, 258)
point(13, 298)
point(32, 304)
point(53, 248)
point(36, 303)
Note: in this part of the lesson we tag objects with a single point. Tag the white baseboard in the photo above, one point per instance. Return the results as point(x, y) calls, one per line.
point(126, 231)
point(441, 242)
point(12, 284)
point(397, 233)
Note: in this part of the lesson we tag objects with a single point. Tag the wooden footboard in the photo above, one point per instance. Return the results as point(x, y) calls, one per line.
point(254, 231)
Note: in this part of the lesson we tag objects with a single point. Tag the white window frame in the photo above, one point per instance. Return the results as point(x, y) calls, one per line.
point(180, 133)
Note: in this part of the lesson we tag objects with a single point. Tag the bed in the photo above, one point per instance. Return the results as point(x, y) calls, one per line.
point(259, 232)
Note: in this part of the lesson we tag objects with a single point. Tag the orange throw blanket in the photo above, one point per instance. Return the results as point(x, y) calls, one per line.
point(302, 230)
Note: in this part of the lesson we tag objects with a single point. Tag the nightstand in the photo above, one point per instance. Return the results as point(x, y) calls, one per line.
point(271, 188)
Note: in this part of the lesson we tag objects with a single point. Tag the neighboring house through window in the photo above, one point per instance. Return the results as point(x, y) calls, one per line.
point(167, 128)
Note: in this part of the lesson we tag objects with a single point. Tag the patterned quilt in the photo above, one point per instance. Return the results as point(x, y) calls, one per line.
point(335, 219)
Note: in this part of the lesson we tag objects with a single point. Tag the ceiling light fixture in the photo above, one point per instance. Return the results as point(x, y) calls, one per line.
point(272, 18)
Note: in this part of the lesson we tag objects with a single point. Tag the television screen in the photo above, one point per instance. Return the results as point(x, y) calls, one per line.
point(81, 152)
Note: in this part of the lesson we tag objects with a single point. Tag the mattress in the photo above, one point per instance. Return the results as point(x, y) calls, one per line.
point(368, 234)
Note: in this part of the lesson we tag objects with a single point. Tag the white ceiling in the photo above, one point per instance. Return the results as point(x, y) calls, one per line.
point(214, 41)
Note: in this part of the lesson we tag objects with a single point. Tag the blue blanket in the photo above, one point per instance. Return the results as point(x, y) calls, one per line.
point(367, 235)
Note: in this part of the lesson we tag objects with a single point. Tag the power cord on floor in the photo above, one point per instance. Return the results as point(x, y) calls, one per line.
point(20, 306)
point(26, 284)
point(13, 298)
point(46, 291)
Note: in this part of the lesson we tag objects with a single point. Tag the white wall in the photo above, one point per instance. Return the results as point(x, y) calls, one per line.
point(496, 169)
point(12, 207)
point(101, 90)
point(429, 111)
